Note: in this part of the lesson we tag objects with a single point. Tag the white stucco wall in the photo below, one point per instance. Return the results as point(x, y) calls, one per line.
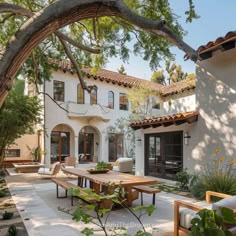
point(180, 102)
point(106, 117)
point(216, 102)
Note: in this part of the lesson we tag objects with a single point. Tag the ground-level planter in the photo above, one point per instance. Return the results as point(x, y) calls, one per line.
point(27, 167)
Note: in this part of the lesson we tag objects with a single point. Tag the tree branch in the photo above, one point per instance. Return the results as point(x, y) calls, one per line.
point(15, 9)
point(76, 67)
point(62, 13)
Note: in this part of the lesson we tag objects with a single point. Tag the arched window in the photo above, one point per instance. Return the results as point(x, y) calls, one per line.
point(111, 100)
point(93, 96)
point(80, 94)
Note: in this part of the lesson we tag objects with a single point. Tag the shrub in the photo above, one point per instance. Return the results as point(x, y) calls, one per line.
point(12, 230)
point(209, 222)
point(2, 193)
point(218, 176)
point(183, 179)
point(7, 215)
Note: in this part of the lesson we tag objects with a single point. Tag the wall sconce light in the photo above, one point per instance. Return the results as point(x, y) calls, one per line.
point(139, 141)
point(186, 138)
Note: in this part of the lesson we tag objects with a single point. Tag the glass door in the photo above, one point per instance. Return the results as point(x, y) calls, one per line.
point(163, 154)
point(60, 145)
point(115, 146)
point(86, 146)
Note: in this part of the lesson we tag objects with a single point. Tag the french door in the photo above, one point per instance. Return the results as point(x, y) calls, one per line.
point(60, 145)
point(86, 146)
point(115, 146)
point(163, 154)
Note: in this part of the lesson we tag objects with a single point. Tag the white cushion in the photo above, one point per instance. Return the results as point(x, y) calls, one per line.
point(227, 202)
point(186, 215)
point(54, 165)
point(124, 159)
point(45, 171)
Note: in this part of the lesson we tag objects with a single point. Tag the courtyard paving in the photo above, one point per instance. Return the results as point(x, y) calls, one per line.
point(35, 199)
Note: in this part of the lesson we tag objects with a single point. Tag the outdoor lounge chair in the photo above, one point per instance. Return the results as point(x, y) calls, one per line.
point(123, 164)
point(70, 162)
point(184, 212)
point(50, 172)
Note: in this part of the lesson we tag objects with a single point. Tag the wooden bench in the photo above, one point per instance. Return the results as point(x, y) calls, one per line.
point(146, 189)
point(67, 185)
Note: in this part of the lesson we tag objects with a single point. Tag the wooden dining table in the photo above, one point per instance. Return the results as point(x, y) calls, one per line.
point(117, 178)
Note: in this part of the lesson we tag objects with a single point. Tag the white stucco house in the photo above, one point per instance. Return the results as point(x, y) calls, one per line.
point(195, 123)
point(192, 119)
point(75, 123)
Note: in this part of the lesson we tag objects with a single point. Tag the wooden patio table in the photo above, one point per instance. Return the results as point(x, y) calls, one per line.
point(126, 180)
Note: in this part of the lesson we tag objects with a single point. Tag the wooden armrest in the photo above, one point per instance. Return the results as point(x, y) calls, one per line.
point(215, 194)
point(177, 205)
point(192, 206)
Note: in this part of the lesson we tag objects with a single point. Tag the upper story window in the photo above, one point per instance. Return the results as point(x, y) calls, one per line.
point(59, 90)
point(93, 96)
point(124, 103)
point(80, 94)
point(156, 106)
point(111, 100)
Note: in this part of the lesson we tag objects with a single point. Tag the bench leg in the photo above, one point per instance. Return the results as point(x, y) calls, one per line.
point(153, 199)
point(58, 193)
point(141, 198)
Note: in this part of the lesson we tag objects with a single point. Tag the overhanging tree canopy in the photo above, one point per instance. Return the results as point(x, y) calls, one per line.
point(35, 23)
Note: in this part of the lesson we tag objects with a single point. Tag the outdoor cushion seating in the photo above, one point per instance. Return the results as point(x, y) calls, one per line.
point(184, 212)
point(53, 171)
point(123, 164)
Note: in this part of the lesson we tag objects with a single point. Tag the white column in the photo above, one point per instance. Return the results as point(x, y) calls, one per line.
point(47, 159)
point(76, 147)
point(139, 153)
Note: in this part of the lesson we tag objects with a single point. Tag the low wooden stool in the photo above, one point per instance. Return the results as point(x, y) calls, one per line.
point(146, 189)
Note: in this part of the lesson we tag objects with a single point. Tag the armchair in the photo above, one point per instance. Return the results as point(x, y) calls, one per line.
point(184, 212)
point(123, 164)
point(70, 162)
point(50, 172)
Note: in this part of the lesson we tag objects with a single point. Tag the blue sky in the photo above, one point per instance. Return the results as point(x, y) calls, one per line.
point(217, 17)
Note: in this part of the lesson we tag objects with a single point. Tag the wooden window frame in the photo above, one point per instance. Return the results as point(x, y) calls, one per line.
point(56, 96)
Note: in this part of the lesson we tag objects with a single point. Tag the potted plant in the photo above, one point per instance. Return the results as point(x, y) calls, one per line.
point(101, 165)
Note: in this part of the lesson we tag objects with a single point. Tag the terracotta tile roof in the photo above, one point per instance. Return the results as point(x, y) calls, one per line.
point(109, 76)
point(178, 87)
point(175, 119)
point(126, 80)
point(220, 40)
point(120, 79)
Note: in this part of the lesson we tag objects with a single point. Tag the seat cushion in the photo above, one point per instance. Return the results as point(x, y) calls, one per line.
point(186, 215)
point(44, 171)
point(227, 202)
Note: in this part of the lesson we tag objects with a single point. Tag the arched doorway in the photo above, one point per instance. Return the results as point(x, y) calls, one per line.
point(61, 137)
point(88, 144)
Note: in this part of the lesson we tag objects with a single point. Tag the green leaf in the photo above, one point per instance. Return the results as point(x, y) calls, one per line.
point(87, 231)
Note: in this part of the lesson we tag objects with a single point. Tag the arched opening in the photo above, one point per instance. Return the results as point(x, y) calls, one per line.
point(60, 142)
point(89, 141)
